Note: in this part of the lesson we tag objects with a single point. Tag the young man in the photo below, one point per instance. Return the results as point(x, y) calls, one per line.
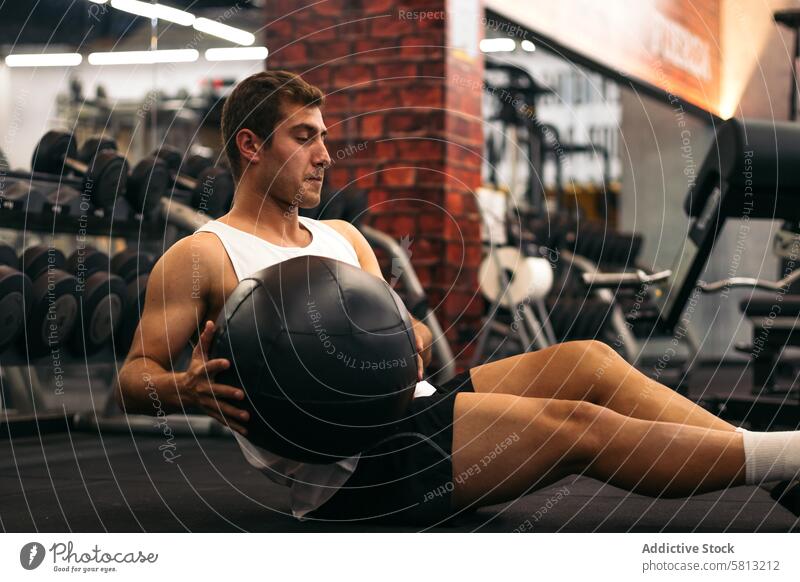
point(489, 435)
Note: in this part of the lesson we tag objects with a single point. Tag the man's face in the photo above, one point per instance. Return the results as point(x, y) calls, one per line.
point(294, 164)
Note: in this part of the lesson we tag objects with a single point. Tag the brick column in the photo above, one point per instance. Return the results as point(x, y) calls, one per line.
point(403, 114)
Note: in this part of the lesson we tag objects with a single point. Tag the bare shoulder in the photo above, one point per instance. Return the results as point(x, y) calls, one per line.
point(201, 247)
point(195, 263)
point(352, 234)
point(364, 253)
point(344, 228)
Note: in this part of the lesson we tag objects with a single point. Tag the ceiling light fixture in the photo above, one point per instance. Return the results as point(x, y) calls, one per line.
point(144, 57)
point(44, 60)
point(220, 30)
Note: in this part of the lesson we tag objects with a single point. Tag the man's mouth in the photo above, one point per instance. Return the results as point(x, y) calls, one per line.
point(313, 178)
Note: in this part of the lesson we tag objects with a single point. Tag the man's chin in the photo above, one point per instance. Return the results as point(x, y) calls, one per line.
point(311, 198)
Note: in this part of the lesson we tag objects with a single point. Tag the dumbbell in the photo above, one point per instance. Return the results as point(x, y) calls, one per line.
point(147, 185)
point(195, 164)
point(15, 297)
point(104, 175)
point(212, 188)
point(96, 144)
point(131, 263)
point(134, 267)
point(24, 196)
point(54, 300)
point(37, 196)
point(101, 300)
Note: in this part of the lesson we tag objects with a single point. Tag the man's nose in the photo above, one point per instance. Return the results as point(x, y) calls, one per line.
point(322, 158)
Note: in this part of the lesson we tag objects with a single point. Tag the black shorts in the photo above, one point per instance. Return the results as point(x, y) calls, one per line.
point(408, 477)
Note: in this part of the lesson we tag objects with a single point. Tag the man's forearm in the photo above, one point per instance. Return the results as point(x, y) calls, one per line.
point(145, 387)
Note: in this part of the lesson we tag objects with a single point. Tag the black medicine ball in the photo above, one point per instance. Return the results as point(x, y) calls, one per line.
point(325, 354)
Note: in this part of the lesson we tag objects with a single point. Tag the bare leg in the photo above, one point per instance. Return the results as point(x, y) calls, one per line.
point(504, 446)
point(591, 371)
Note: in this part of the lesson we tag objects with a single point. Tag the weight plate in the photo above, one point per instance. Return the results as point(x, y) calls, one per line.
point(37, 259)
point(96, 144)
point(52, 149)
point(214, 192)
point(107, 177)
point(83, 263)
point(132, 309)
point(130, 263)
point(54, 308)
point(100, 311)
point(147, 185)
point(15, 289)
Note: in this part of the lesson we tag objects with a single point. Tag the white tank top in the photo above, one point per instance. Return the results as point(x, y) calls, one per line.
point(311, 485)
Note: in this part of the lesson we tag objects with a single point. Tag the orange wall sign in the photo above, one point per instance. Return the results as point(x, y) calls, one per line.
point(671, 44)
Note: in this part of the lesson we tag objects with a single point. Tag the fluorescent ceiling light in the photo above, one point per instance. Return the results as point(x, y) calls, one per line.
point(528, 46)
point(220, 30)
point(247, 53)
point(497, 45)
point(44, 60)
point(158, 11)
point(144, 57)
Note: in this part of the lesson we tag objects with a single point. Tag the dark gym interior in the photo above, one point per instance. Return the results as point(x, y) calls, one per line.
point(624, 173)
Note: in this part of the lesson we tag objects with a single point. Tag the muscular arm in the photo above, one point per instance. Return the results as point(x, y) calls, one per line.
point(176, 300)
point(366, 256)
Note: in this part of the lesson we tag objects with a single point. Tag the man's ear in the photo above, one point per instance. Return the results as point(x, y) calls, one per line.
point(250, 146)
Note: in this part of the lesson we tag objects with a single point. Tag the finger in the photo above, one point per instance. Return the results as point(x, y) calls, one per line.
point(229, 423)
point(206, 337)
point(227, 392)
point(214, 367)
point(220, 391)
point(420, 368)
point(230, 411)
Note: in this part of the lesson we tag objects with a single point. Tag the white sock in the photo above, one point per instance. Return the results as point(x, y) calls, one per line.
point(771, 456)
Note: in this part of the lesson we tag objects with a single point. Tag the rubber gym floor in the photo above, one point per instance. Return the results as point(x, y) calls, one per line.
point(84, 482)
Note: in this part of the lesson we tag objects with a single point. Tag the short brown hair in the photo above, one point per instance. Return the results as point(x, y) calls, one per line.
point(256, 104)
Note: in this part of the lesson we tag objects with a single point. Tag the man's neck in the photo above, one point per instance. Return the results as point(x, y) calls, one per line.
point(261, 215)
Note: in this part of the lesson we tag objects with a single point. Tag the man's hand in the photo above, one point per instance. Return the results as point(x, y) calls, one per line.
point(199, 389)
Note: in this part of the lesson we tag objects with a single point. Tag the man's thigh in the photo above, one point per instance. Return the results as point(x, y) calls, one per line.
point(505, 445)
point(566, 371)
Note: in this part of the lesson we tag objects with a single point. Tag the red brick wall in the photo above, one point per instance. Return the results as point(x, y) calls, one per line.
point(401, 130)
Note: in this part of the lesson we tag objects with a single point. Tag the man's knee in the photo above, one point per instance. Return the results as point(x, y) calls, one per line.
point(574, 427)
point(597, 353)
point(594, 366)
point(589, 354)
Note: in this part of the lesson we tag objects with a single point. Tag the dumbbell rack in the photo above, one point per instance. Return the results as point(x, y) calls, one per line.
point(131, 228)
point(24, 389)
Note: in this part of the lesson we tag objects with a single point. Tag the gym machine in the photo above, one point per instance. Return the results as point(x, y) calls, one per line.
point(626, 328)
point(750, 173)
point(514, 279)
point(517, 123)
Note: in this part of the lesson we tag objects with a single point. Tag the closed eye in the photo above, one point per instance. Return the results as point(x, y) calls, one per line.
point(304, 139)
